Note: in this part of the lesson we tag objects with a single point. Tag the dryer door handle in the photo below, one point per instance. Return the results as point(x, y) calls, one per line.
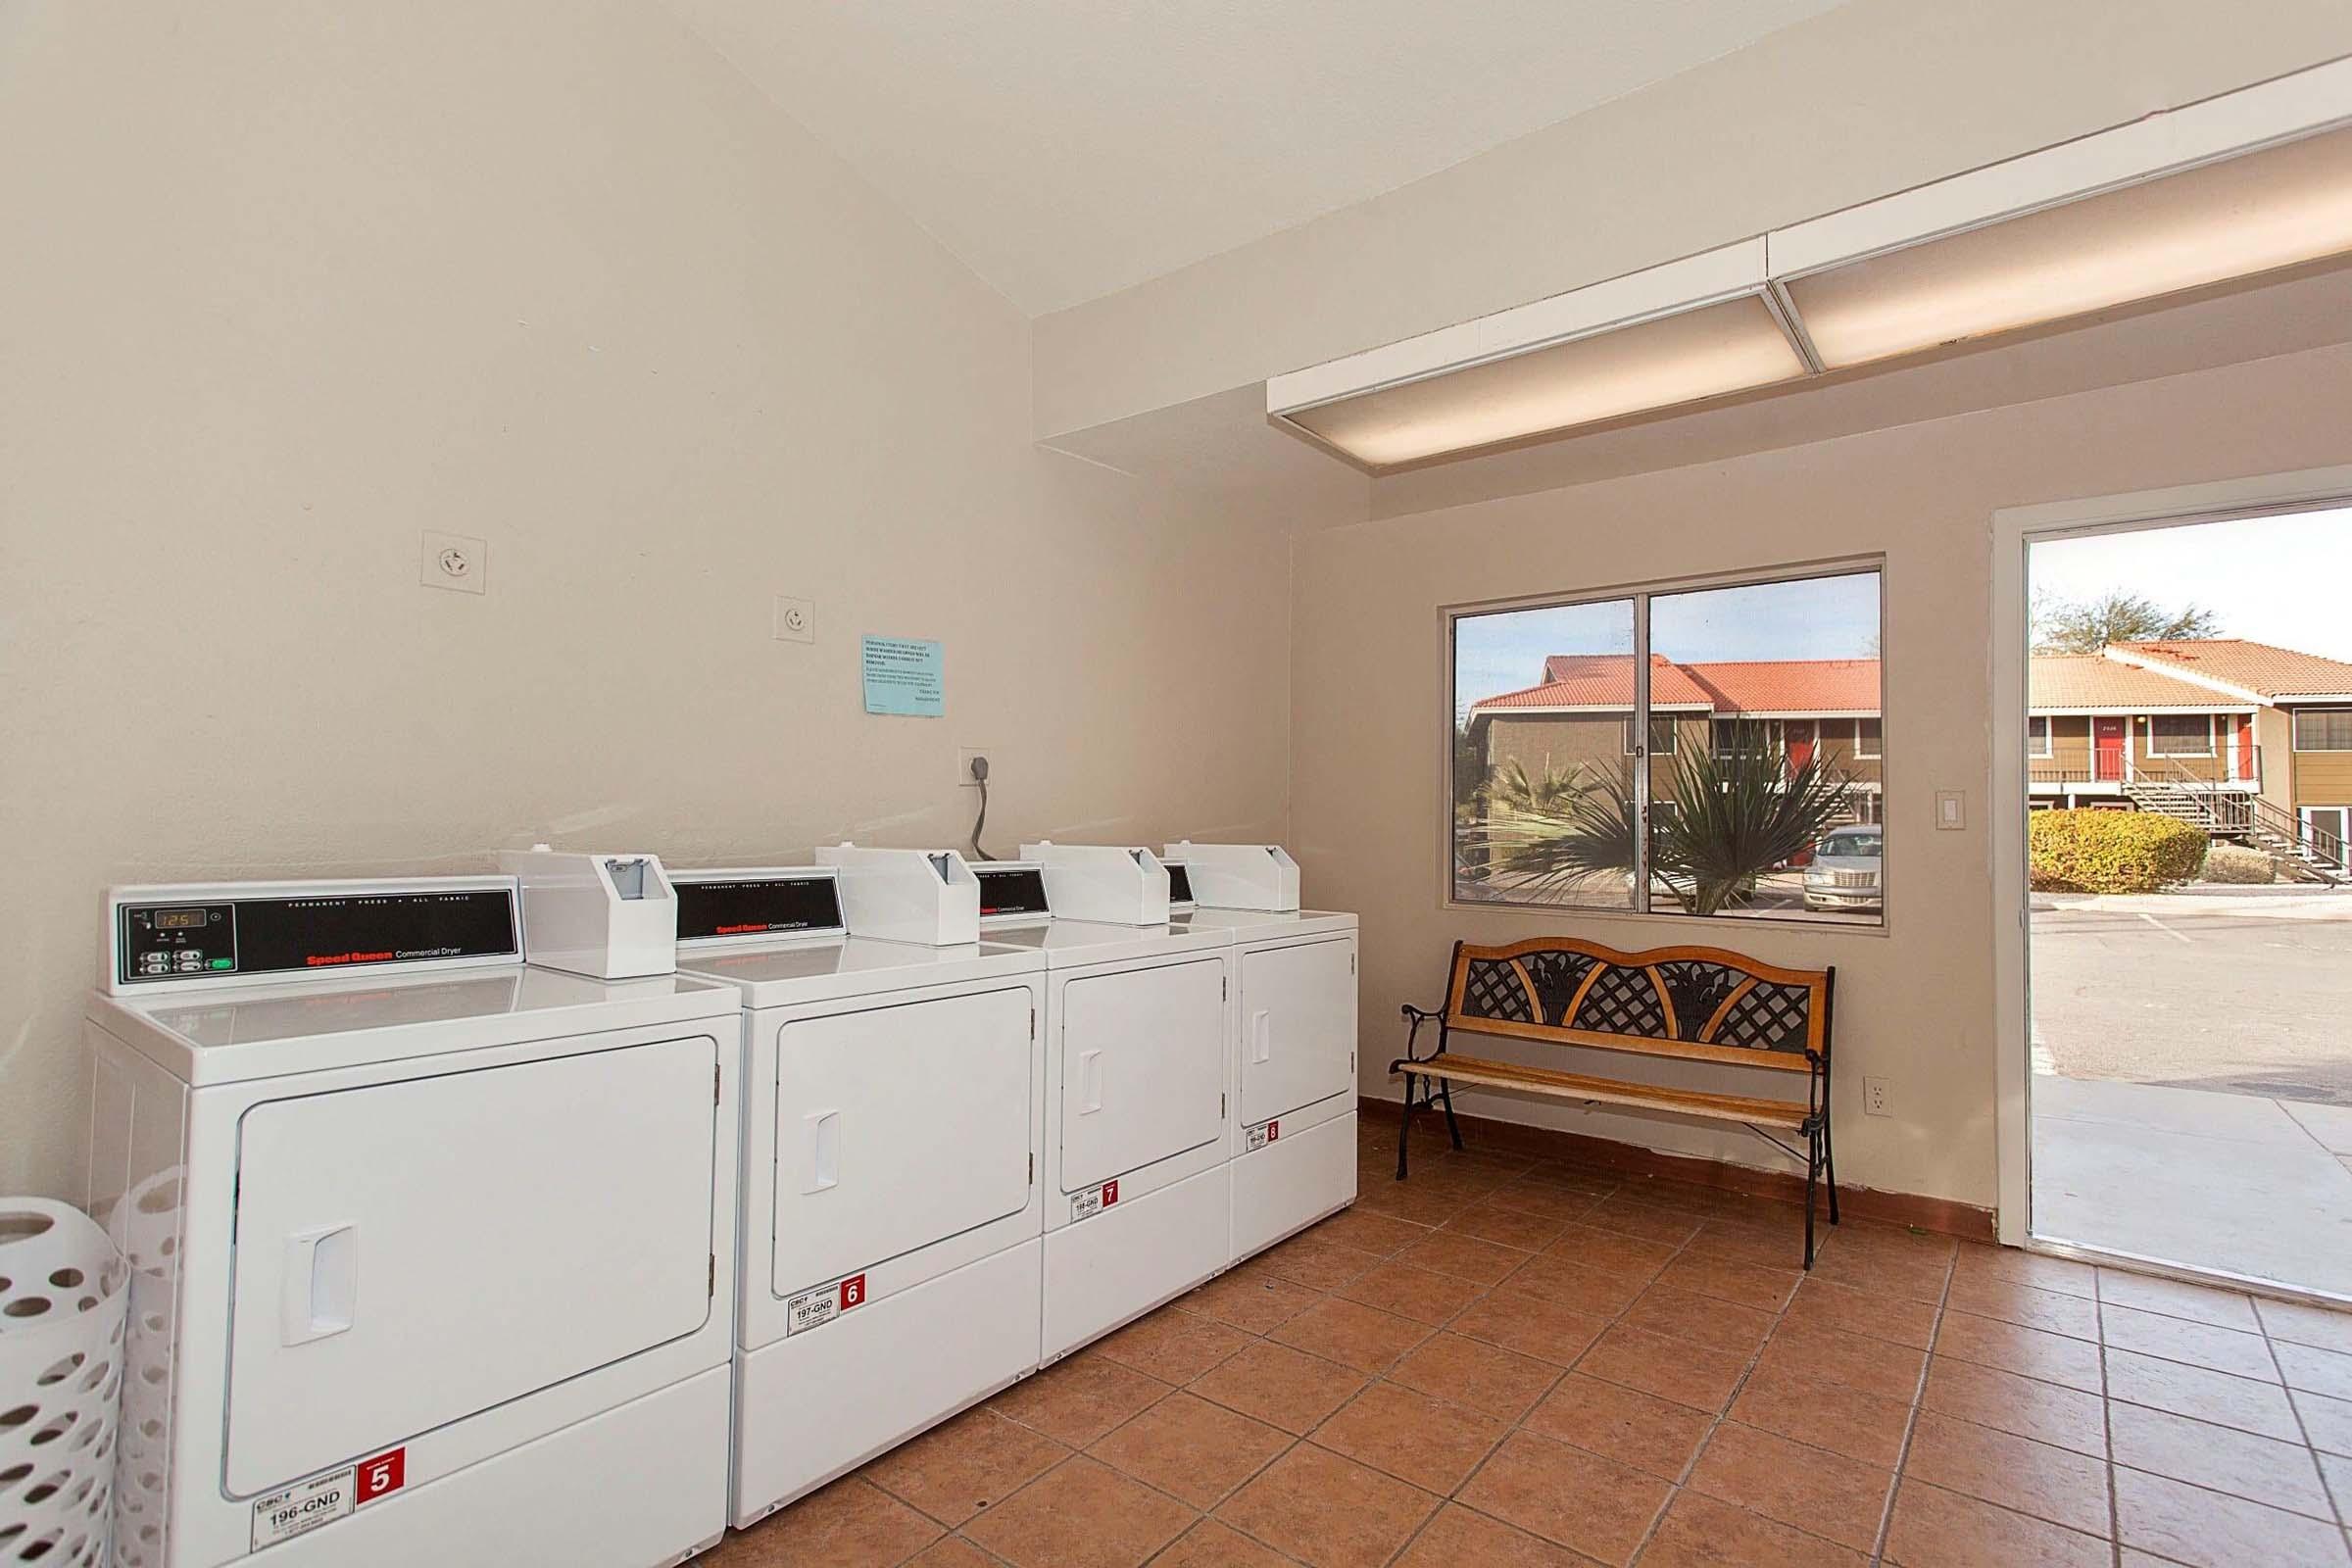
point(825, 1150)
point(1090, 1082)
point(1262, 1035)
point(318, 1290)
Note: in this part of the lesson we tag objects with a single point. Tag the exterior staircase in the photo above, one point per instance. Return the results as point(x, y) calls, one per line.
point(2245, 820)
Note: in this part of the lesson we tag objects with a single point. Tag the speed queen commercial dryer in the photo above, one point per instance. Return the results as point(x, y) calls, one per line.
point(432, 1250)
point(1138, 1206)
point(1295, 1043)
point(894, 1110)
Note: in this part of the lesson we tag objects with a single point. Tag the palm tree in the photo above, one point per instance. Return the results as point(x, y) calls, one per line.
point(1728, 817)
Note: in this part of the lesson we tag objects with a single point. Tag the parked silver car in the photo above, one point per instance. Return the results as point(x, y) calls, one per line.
point(1844, 873)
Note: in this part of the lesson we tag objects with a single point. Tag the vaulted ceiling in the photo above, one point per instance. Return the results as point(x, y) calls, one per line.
point(1066, 149)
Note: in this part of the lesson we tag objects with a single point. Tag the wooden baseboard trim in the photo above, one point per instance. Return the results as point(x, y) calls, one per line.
point(1942, 1215)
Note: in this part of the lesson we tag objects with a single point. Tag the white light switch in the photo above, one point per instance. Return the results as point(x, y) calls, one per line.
point(1951, 810)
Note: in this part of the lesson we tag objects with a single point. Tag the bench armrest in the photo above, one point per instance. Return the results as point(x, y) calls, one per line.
point(1417, 1017)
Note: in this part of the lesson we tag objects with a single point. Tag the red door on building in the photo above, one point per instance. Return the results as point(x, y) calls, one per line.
point(2107, 750)
point(2245, 749)
point(1801, 733)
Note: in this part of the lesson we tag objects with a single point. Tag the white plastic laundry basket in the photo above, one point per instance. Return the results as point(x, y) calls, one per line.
point(62, 1301)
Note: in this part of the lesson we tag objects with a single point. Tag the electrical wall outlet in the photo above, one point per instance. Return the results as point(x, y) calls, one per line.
point(1875, 1096)
point(1951, 810)
point(453, 561)
point(964, 756)
point(796, 621)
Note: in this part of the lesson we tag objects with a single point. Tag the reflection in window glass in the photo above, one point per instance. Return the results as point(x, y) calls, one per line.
point(1764, 743)
point(1543, 783)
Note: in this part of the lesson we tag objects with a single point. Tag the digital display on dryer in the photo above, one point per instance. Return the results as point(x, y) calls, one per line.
point(1012, 890)
point(757, 906)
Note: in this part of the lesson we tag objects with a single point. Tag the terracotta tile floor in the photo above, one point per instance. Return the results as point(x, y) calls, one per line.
point(1509, 1361)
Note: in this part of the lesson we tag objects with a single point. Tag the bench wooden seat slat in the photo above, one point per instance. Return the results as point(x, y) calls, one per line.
point(1696, 1004)
point(1612, 1092)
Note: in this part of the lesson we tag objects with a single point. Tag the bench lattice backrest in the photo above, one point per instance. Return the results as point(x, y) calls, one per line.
point(1683, 1002)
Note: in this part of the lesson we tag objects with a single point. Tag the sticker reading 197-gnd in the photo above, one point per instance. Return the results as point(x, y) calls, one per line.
point(814, 1308)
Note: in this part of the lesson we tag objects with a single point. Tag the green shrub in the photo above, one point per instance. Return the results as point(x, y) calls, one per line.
point(2234, 863)
point(2111, 851)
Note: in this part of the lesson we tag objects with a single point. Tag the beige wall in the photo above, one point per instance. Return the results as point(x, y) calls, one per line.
point(1916, 1001)
point(1872, 97)
point(287, 283)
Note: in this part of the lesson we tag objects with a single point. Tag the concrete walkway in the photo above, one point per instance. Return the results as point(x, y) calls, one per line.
point(2250, 1186)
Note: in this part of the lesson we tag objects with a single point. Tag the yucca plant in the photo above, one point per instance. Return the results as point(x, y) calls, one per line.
point(1511, 788)
point(1725, 819)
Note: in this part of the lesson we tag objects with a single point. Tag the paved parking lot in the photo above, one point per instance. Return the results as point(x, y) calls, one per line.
point(2192, 1101)
point(2246, 991)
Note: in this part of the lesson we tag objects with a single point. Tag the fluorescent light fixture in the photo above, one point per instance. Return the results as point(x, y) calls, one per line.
point(1667, 335)
point(1659, 363)
point(2236, 219)
point(2235, 186)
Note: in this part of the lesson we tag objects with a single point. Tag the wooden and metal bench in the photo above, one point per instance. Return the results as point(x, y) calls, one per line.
point(1697, 1003)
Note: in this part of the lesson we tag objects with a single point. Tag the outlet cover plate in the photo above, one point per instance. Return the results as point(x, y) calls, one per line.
point(456, 561)
point(964, 765)
point(795, 619)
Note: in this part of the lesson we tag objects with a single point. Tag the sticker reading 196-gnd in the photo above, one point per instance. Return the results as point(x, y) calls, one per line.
point(304, 1507)
point(1094, 1200)
point(301, 1509)
point(1260, 1136)
point(816, 1307)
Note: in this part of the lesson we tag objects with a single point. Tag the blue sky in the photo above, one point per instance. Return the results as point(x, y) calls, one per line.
point(1819, 618)
point(2284, 580)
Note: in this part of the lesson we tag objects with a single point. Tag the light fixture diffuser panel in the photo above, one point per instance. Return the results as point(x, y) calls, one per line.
point(1733, 346)
point(2255, 213)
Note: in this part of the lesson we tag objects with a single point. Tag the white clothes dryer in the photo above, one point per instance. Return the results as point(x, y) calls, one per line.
point(432, 1250)
point(1137, 1084)
point(893, 1120)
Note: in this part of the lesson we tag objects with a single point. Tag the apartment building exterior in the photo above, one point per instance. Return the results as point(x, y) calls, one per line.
point(2224, 722)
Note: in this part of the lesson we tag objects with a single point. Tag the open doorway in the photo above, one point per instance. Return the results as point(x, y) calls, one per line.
point(2185, 778)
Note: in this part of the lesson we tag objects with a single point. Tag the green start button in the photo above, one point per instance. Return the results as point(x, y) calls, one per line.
point(225, 964)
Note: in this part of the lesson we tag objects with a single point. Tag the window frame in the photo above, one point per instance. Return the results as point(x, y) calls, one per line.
point(1640, 595)
point(1879, 755)
point(1673, 734)
point(2152, 744)
point(2301, 713)
point(2050, 736)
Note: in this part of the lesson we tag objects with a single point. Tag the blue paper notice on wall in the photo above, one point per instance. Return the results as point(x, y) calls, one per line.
point(904, 677)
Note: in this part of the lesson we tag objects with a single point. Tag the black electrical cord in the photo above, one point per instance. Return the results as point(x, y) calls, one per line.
point(980, 778)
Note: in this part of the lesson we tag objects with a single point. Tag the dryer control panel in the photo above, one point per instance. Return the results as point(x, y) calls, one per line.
point(198, 934)
point(1010, 891)
point(752, 906)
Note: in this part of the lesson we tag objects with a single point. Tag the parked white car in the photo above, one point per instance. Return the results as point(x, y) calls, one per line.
point(1844, 873)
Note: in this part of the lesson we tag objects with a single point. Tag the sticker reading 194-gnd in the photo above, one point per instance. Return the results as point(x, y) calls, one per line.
point(1260, 1136)
point(1094, 1200)
point(816, 1307)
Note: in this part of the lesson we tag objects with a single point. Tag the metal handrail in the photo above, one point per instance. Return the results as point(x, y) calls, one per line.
point(2262, 813)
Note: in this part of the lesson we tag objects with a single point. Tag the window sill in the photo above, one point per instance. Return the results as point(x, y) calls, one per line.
point(1809, 923)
